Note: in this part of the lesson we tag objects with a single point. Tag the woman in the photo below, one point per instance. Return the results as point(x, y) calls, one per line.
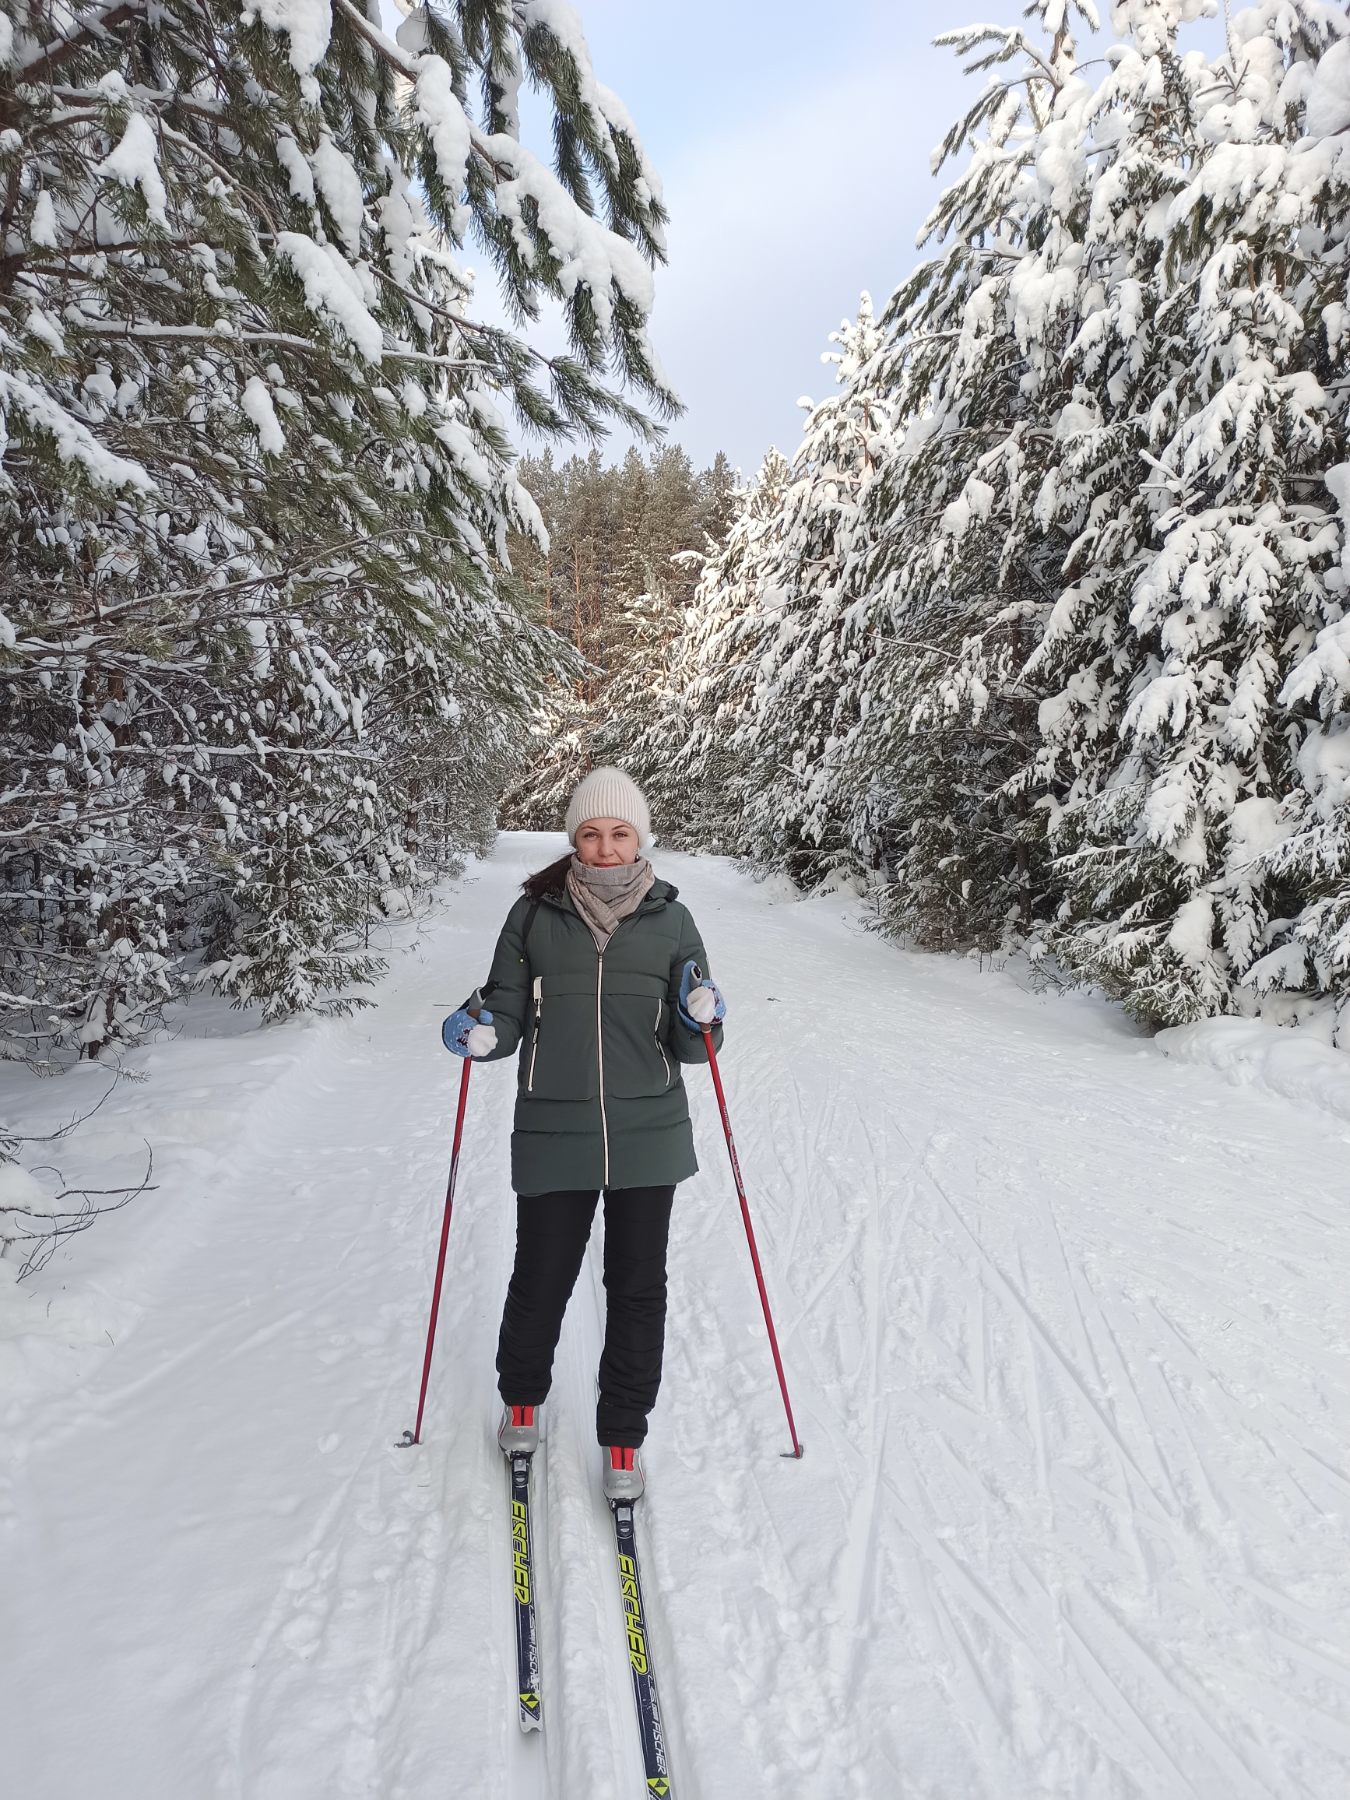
point(599, 980)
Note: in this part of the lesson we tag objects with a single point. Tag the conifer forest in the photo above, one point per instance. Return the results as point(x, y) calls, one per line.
point(1039, 632)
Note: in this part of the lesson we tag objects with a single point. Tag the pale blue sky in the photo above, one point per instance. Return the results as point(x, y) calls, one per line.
point(793, 140)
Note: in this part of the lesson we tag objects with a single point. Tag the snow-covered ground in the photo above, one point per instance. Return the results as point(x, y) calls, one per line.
point(1067, 1329)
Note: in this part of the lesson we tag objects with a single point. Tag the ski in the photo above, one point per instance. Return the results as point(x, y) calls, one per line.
point(522, 1571)
point(655, 1765)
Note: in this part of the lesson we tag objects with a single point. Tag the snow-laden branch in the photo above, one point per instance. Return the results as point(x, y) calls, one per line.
point(88, 30)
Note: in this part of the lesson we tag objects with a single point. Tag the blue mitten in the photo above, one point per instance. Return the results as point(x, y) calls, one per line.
point(707, 998)
point(463, 1035)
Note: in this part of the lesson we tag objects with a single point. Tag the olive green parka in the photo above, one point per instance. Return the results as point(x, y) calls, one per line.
point(600, 1098)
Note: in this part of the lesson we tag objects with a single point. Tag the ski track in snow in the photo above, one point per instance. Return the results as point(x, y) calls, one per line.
point(1067, 1334)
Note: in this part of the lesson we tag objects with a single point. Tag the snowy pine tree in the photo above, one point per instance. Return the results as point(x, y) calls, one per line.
point(799, 716)
point(688, 749)
point(954, 563)
point(1097, 599)
point(257, 484)
point(1209, 378)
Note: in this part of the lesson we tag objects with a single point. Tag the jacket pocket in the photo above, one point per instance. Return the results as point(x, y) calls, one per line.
point(560, 1059)
point(637, 1063)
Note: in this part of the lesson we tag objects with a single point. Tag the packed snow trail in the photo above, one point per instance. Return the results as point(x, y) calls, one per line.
point(1067, 1334)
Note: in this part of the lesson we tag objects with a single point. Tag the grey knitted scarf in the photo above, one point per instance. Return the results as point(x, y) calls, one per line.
point(605, 897)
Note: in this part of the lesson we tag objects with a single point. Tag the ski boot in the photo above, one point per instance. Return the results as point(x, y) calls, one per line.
point(518, 1433)
point(623, 1477)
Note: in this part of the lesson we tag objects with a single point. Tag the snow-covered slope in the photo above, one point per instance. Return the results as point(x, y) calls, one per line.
point(1066, 1326)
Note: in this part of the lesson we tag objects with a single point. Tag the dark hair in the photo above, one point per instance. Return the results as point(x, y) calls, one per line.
point(551, 880)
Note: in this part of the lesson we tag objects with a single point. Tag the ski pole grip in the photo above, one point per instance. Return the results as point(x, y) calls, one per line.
point(698, 976)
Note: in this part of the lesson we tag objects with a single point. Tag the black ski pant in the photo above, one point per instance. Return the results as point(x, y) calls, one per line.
point(551, 1234)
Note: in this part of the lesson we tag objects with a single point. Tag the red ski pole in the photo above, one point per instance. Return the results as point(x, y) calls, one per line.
point(750, 1238)
point(414, 1436)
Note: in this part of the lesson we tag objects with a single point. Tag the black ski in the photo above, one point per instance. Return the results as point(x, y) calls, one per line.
point(655, 1764)
point(522, 1571)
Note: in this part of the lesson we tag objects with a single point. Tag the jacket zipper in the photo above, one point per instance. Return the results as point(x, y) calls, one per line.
point(600, 1054)
point(656, 1033)
point(600, 1038)
point(538, 1014)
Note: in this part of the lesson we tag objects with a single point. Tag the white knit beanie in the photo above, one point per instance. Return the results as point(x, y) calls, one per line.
point(609, 794)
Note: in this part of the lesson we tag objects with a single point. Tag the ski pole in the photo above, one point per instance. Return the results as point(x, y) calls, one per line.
point(750, 1238)
point(414, 1436)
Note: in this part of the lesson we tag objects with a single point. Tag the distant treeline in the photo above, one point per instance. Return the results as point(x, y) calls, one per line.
point(626, 545)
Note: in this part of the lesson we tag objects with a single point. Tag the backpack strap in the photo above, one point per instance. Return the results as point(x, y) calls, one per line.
point(525, 928)
point(489, 986)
